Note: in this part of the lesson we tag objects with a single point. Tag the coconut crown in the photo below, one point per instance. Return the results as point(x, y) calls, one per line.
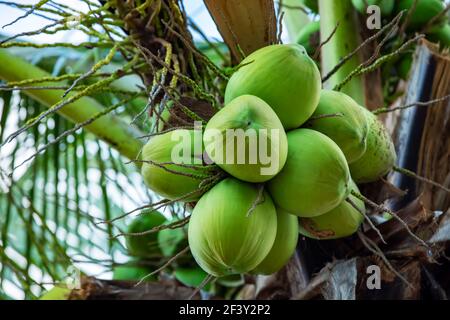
point(232, 228)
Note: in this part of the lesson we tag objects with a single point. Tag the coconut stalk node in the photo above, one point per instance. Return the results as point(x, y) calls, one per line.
point(247, 140)
point(315, 178)
point(231, 229)
point(285, 77)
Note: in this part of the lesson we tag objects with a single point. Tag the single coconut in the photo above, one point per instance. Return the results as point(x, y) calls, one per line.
point(284, 245)
point(172, 164)
point(172, 241)
point(285, 77)
point(191, 277)
point(380, 155)
point(309, 36)
point(247, 140)
point(348, 128)
point(315, 178)
point(425, 10)
point(147, 244)
point(232, 228)
point(342, 221)
point(132, 271)
point(386, 6)
point(441, 35)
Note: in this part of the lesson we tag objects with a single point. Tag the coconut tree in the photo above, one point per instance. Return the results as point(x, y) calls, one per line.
point(75, 118)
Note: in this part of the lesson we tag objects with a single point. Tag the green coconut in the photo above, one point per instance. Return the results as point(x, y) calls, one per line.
point(348, 130)
point(425, 11)
point(441, 35)
point(342, 221)
point(132, 271)
point(172, 241)
point(380, 155)
point(386, 6)
point(247, 140)
point(285, 77)
point(181, 179)
point(232, 228)
point(284, 246)
point(145, 245)
point(315, 178)
point(309, 36)
point(192, 277)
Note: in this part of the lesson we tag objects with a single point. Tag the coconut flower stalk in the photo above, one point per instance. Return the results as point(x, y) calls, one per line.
point(342, 16)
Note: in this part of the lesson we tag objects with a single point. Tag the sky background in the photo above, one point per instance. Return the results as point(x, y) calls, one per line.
point(195, 8)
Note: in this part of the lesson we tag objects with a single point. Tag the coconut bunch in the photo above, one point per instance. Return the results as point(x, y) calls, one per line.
point(320, 143)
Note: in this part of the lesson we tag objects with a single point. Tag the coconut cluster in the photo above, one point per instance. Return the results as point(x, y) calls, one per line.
point(319, 144)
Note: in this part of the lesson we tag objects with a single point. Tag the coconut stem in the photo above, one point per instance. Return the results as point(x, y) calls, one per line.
point(411, 174)
point(384, 209)
point(207, 280)
point(353, 204)
point(372, 247)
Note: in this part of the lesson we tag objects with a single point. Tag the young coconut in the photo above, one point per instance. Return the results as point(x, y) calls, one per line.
point(386, 6)
point(285, 77)
point(348, 128)
point(380, 155)
point(425, 10)
point(232, 228)
point(247, 140)
point(441, 35)
point(309, 36)
point(342, 221)
point(174, 179)
point(284, 246)
point(132, 271)
point(315, 178)
point(145, 246)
